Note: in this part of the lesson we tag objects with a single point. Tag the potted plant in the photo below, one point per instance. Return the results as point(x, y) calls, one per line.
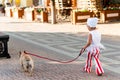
point(39, 10)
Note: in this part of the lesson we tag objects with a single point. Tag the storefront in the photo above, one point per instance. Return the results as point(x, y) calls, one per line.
point(24, 3)
point(64, 8)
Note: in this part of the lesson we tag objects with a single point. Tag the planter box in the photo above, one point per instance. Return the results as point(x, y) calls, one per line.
point(37, 14)
point(29, 15)
point(108, 15)
point(42, 16)
point(18, 13)
point(8, 12)
point(78, 17)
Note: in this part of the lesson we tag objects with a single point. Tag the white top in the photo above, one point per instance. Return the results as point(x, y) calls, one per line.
point(96, 41)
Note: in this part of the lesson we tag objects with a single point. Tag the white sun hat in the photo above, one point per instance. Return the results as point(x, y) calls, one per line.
point(92, 22)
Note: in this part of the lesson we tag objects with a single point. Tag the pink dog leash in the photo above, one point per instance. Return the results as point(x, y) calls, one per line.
point(54, 59)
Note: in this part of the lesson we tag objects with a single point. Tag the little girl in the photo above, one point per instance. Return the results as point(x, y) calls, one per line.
point(93, 46)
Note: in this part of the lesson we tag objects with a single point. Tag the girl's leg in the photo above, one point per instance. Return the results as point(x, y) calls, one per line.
point(88, 65)
point(99, 69)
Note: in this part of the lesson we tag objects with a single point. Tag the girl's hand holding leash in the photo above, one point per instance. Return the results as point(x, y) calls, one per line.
point(82, 50)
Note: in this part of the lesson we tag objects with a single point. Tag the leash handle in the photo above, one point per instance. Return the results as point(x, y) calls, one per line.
point(81, 51)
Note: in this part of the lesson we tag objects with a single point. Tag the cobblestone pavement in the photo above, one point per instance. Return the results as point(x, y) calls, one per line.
point(61, 46)
point(57, 45)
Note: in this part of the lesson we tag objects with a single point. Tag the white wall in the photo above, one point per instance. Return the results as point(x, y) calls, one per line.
point(41, 2)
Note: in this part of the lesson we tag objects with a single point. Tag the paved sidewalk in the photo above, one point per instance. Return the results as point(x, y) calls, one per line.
point(107, 29)
point(57, 41)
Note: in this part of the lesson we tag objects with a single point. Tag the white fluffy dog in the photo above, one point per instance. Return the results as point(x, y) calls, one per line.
point(26, 62)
